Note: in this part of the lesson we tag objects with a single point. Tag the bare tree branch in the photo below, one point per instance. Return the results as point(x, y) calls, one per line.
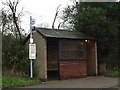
point(59, 25)
point(55, 16)
point(13, 7)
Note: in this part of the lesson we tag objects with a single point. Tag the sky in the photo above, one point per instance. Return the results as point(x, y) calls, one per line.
point(43, 11)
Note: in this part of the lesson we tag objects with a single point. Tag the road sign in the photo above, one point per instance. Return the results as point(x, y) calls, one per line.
point(33, 29)
point(33, 21)
point(32, 51)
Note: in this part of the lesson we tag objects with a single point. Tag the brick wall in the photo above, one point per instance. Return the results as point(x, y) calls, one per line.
point(91, 57)
point(80, 68)
point(72, 69)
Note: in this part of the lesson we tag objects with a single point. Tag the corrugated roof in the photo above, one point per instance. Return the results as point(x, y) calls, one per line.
point(63, 34)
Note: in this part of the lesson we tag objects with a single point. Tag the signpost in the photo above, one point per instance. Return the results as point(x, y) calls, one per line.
point(32, 47)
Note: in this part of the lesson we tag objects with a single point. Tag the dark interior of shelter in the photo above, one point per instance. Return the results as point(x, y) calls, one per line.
point(53, 75)
point(52, 59)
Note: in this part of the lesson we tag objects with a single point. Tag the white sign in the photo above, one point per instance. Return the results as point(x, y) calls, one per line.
point(32, 51)
point(31, 40)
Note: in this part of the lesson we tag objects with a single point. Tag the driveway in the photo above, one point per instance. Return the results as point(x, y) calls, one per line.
point(89, 82)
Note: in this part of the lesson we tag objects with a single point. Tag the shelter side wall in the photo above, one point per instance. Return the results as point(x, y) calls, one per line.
point(92, 58)
point(40, 64)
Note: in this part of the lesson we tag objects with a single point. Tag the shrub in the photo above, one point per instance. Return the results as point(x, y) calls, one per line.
point(112, 73)
point(14, 55)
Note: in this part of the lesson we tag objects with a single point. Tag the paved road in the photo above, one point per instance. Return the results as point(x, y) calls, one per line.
point(89, 82)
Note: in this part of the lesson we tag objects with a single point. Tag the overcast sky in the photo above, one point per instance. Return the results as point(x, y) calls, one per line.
point(42, 10)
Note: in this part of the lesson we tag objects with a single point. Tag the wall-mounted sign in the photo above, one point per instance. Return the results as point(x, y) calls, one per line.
point(32, 51)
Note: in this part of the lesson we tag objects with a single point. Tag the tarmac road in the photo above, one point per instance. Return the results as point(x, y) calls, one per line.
point(89, 82)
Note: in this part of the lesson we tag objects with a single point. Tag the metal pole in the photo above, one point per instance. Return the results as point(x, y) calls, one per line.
point(31, 73)
point(31, 76)
point(31, 28)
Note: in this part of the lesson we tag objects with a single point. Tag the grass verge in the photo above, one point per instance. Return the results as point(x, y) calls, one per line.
point(112, 73)
point(18, 81)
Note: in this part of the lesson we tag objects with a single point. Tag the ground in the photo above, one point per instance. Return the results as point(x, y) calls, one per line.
point(89, 82)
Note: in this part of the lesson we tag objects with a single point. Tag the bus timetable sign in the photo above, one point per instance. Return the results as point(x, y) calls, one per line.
point(32, 51)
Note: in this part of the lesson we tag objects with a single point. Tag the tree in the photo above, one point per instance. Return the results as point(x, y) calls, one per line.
point(14, 54)
point(10, 17)
point(101, 20)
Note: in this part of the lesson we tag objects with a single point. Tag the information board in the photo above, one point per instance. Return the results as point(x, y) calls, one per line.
point(32, 51)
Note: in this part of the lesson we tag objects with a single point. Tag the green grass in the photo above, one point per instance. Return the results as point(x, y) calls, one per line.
point(112, 73)
point(18, 81)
